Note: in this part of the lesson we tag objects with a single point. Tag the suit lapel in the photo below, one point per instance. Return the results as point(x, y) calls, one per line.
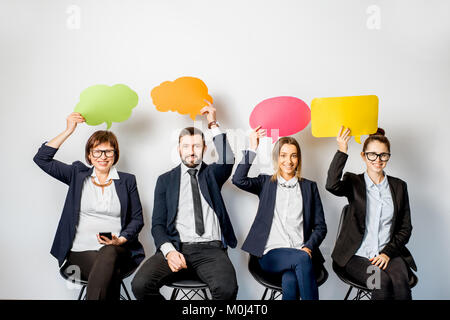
point(204, 185)
point(306, 198)
point(394, 201)
point(362, 193)
point(78, 189)
point(121, 190)
point(174, 193)
point(272, 194)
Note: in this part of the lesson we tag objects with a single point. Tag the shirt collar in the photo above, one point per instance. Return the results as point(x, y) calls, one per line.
point(371, 184)
point(113, 174)
point(289, 183)
point(185, 168)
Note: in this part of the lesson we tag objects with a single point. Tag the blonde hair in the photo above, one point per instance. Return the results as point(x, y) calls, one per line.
point(276, 153)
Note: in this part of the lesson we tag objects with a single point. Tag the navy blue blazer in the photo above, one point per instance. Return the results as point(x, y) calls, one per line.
point(314, 227)
point(74, 175)
point(210, 179)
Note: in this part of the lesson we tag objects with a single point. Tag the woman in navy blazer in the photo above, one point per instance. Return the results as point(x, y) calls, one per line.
point(289, 225)
point(94, 203)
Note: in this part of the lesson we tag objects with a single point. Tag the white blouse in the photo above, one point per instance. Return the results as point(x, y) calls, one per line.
point(99, 212)
point(287, 223)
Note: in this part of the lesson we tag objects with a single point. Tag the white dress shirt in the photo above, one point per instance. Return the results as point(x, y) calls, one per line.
point(98, 213)
point(185, 220)
point(379, 213)
point(287, 223)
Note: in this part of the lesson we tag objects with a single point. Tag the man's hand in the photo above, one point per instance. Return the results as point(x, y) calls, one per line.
point(176, 261)
point(210, 112)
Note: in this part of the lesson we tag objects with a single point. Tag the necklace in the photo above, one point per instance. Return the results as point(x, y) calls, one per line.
point(101, 185)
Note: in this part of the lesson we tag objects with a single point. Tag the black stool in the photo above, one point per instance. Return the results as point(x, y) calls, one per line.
point(190, 286)
point(272, 281)
point(83, 283)
point(361, 291)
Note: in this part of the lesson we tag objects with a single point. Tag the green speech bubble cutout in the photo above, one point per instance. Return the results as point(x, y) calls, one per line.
point(102, 103)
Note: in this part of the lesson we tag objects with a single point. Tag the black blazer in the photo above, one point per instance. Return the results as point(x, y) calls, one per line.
point(353, 227)
point(314, 227)
point(210, 179)
point(74, 175)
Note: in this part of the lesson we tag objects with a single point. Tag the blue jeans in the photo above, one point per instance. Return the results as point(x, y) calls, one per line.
point(298, 278)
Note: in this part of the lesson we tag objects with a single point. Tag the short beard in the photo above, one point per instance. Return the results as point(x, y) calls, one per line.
point(191, 165)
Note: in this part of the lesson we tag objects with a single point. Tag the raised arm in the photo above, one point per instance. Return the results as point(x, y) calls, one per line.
point(44, 156)
point(240, 177)
point(336, 185)
point(223, 167)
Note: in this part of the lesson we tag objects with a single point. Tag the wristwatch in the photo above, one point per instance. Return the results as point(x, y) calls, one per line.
point(213, 123)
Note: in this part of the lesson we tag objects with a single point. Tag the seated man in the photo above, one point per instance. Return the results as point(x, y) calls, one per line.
point(190, 223)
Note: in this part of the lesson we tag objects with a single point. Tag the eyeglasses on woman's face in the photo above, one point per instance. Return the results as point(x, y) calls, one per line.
point(97, 153)
point(372, 156)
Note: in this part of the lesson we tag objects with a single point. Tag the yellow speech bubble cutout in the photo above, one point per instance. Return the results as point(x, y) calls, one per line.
point(185, 95)
point(359, 113)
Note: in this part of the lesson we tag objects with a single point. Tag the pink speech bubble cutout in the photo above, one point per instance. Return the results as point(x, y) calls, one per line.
point(281, 116)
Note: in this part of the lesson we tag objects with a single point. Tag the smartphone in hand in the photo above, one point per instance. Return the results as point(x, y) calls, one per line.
point(106, 234)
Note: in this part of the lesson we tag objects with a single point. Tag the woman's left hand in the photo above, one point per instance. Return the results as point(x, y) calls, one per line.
point(116, 241)
point(308, 251)
point(380, 261)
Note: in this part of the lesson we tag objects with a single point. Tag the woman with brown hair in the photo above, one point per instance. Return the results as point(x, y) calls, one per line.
point(377, 225)
point(289, 225)
point(100, 199)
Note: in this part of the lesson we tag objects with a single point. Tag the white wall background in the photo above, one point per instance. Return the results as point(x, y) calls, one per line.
point(245, 51)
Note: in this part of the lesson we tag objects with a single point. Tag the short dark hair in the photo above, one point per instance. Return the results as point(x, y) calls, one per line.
point(377, 136)
point(191, 131)
point(99, 137)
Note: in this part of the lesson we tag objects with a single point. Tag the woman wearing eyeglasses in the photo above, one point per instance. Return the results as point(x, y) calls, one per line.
point(100, 199)
point(377, 225)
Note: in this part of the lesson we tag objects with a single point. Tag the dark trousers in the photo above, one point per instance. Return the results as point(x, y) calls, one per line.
point(295, 266)
point(103, 270)
point(394, 281)
point(211, 264)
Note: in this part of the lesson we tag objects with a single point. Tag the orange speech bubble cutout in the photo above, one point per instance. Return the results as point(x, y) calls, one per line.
point(185, 95)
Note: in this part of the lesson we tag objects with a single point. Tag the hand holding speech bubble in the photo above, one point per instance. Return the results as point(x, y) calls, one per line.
point(102, 103)
point(359, 113)
point(281, 116)
point(186, 95)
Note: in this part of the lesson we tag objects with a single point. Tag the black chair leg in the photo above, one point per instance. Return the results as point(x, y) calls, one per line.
point(348, 293)
point(81, 292)
point(174, 294)
point(272, 295)
point(264, 295)
point(205, 294)
point(126, 291)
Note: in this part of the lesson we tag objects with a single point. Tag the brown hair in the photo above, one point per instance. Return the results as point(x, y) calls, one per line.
point(191, 131)
point(99, 137)
point(276, 152)
point(377, 136)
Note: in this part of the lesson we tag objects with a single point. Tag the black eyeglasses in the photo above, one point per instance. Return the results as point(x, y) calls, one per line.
point(98, 153)
point(372, 156)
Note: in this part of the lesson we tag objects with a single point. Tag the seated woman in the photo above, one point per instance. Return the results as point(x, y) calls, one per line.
point(99, 199)
point(289, 225)
point(377, 225)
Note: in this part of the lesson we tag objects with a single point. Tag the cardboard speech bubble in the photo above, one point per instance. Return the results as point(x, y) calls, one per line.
point(281, 116)
point(102, 103)
point(359, 113)
point(185, 95)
